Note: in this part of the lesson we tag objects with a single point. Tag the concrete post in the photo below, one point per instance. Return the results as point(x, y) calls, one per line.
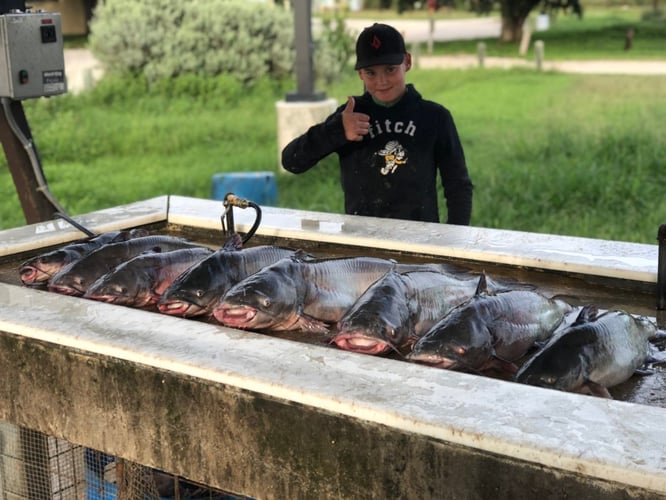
point(431, 34)
point(294, 118)
point(481, 52)
point(539, 54)
point(416, 54)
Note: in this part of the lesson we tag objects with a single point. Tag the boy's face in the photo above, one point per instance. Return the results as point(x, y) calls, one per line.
point(386, 82)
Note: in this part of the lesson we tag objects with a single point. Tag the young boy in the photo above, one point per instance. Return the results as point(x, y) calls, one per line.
point(390, 141)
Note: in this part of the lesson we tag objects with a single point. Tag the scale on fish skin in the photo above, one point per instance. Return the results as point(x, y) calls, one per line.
point(227, 217)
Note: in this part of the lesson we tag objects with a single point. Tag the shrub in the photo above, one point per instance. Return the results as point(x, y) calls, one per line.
point(162, 39)
point(334, 48)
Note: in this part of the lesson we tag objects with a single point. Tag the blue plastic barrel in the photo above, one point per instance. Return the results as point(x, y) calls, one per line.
point(259, 187)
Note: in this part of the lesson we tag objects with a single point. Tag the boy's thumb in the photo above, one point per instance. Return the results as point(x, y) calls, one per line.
point(350, 104)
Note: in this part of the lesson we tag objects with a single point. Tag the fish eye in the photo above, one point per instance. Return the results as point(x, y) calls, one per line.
point(199, 293)
point(389, 332)
point(266, 302)
point(459, 350)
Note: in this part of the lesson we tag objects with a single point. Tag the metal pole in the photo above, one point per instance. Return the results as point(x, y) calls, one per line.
point(304, 48)
point(36, 206)
point(661, 268)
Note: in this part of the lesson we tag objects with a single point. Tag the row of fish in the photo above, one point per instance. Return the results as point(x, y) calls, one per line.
point(438, 314)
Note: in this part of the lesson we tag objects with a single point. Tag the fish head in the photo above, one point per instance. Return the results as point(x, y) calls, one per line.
point(555, 366)
point(126, 285)
point(380, 320)
point(197, 290)
point(460, 341)
point(40, 269)
point(106, 290)
point(269, 298)
point(647, 328)
point(186, 302)
point(70, 280)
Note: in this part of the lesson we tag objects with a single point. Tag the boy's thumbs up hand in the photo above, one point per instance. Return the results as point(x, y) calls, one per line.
point(356, 125)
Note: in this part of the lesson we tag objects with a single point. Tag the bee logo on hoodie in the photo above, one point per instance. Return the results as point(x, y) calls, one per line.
point(394, 155)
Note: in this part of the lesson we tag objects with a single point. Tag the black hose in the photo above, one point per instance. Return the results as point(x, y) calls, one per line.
point(230, 201)
point(257, 221)
point(88, 232)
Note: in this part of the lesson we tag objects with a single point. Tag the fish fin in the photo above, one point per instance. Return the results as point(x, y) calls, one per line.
point(138, 233)
point(121, 236)
point(234, 242)
point(482, 286)
point(302, 256)
point(644, 371)
point(655, 356)
point(595, 389)
point(312, 325)
point(503, 367)
point(129, 234)
point(446, 268)
point(659, 336)
point(570, 299)
point(587, 313)
point(507, 284)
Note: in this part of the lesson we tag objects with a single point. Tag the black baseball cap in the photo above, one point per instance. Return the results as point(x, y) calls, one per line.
point(379, 44)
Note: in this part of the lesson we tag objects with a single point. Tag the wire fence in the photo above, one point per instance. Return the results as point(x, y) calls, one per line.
point(34, 466)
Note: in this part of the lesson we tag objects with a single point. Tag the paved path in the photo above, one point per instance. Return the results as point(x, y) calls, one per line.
point(82, 69)
point(610, 67)
point(440, 30)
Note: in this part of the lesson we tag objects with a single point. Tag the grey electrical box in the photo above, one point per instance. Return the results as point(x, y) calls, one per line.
point(32, 57)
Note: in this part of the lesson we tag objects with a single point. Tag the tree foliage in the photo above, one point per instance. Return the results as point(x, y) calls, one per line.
point(161, 39)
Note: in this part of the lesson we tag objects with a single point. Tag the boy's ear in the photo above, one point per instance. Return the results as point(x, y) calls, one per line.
point(408, 61)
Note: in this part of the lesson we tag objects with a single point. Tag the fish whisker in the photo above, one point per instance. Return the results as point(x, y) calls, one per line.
point(395, 349)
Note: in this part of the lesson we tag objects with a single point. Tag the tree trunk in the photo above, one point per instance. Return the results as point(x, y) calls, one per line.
point(512, 29)
point(514, 14)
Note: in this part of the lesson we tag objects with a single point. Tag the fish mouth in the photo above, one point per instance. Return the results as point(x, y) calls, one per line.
point(434, 361)
point(65, 290)
point(180, 308)
point(236, 316)
point(33, 275)
point(109, 299)
point(360, 343)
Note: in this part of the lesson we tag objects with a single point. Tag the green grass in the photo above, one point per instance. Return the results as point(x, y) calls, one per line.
point(551, 153)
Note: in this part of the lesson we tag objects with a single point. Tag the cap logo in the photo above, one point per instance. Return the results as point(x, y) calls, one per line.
point(376, 42)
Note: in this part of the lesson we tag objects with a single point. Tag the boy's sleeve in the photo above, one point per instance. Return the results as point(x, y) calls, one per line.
point(457, 184)
point(319, 141)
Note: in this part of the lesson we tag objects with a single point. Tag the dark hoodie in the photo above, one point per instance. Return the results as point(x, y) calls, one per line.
point(392, 172)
